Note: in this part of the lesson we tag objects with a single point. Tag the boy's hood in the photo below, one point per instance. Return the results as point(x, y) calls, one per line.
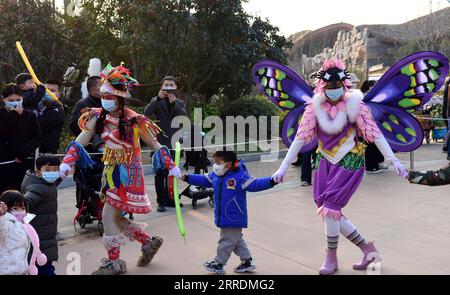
point(31, 178)
point(240, 167)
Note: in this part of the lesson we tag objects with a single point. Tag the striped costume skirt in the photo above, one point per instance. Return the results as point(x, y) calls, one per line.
point(124, 188)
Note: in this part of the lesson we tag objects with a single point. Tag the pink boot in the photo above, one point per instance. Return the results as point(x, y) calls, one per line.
point(367, 249)
point(330, 265)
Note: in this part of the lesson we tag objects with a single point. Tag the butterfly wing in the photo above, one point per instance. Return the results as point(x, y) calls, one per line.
point(281, 84)
point(401, 130)
point(287, 90)
point(404, 88)
point(290, 127)
point(411, 82)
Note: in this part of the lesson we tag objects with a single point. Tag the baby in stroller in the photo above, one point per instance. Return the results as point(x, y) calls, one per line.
point(197, 158)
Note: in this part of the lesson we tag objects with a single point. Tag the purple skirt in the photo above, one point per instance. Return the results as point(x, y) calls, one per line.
point(334, 185)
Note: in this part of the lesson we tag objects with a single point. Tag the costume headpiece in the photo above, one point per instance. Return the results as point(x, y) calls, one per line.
point(115, 76)
point(332, 71)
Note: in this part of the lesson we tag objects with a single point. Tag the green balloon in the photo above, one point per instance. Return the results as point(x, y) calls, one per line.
point(176, 194)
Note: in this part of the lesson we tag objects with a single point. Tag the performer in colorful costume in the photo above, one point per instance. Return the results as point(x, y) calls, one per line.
point(337, 118)
point(123, 185)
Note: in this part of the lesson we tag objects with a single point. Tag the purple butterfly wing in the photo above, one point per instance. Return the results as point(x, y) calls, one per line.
point(411, 82)
point(290, 125)
point(404, 88)
point(401, 130)
point(281, 84)
point(287, 90)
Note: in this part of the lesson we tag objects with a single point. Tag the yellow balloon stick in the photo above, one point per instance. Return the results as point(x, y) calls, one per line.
point(31, 71)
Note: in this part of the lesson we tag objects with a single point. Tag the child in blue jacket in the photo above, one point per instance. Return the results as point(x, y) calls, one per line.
point(230, 181)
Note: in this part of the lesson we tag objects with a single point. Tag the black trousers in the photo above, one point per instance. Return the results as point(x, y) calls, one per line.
point(307, 166)
point(11, 175)
point(162, 186)
point(373, 157)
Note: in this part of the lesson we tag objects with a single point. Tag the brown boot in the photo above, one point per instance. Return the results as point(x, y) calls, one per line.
point(149, 250)
point(111, 267)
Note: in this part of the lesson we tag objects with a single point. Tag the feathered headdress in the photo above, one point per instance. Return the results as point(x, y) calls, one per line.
point(115, 76)
point(332, 71)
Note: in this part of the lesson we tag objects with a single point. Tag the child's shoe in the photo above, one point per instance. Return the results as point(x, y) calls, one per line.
point(111, 267)
point(245, 266)
point(214, 266)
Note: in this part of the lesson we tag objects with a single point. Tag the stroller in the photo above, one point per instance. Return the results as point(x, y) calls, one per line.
point(88, 187)
point(199, 160)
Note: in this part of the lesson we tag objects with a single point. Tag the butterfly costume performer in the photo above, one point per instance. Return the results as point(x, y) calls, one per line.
point(123, 187)
point(340, 120)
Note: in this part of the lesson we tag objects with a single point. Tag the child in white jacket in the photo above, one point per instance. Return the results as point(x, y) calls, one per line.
point(16, 237)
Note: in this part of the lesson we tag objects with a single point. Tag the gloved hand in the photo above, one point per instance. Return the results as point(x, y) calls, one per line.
point(64, 170)
point(176, 172)
point(278, 176)
point(400, 169)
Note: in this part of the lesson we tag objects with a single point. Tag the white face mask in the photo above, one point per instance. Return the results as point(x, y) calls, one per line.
point(11, 105)
point(220, 169)
point(335, 94)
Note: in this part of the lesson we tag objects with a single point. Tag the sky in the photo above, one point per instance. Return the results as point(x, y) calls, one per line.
point(293, 16)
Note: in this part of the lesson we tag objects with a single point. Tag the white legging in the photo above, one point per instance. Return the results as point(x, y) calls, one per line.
point(113, 222)
point(333, 227)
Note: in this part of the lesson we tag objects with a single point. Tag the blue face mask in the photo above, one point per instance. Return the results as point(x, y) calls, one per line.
point(11, 105)
point(47, 98)
point(109, 105)
point(335, 94)
point(50, 177)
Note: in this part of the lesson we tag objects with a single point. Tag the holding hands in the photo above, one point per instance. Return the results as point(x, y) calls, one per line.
point(175, 172)
point(400, 169)
point(64, 170)
point(278, 176)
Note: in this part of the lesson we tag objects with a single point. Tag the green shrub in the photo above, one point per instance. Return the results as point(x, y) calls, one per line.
point(250, 106)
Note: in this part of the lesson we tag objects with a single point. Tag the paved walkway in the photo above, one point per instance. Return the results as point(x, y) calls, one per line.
point(409, 223)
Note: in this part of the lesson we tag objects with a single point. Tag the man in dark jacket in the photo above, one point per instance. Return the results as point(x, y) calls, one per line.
point(40, 191)
point(92, 101)
point(32, 94)
point(164, 108)
point(20, 135)
point(51, 119)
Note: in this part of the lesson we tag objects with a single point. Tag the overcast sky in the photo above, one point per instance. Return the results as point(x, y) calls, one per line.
point(292, 16)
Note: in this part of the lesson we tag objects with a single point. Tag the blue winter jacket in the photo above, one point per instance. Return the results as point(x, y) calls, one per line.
point(230, 203)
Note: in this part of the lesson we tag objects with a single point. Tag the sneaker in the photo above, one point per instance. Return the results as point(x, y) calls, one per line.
point(161, 208)
point(377, 171)
point(383, 166)
point(245, 266)
point(214, 267)
point(305, 183)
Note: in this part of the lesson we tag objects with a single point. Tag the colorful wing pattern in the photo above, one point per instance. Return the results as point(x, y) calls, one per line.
point(404, 88)
point(289, 92)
